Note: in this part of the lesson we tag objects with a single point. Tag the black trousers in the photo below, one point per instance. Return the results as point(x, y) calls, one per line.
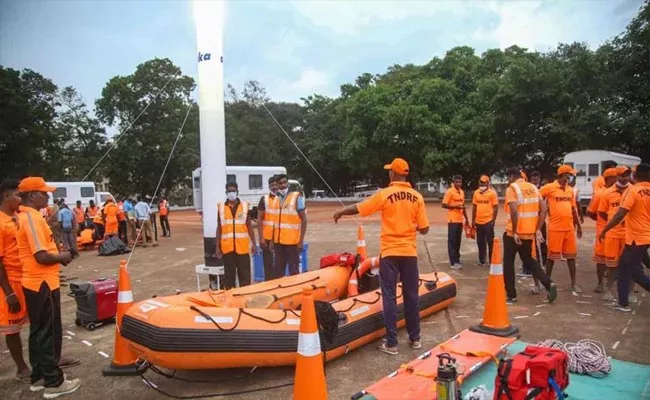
point(391, 270)
point(454, 235)
point(236, 266)
point(630, 269)
point(284, 254)
point(122, 231)
point(267, 257)
point(485, 236)
point(164, 223)
point(99, 231)
point(45, 334)
point(525, 250)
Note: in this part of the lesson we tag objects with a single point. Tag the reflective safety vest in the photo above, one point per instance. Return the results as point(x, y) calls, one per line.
point(79, 214)
point(120, 211)
point(527, 209)
point(92, 211)
point(271, 211)
point(98, 217)
point(234, 232)
point(287, 227)
point(163, 208)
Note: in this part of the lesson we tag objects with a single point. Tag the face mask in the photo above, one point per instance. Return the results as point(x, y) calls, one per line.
point(621, 185)
point(283, 192)
point(231, 196)
point(572, 179)
point(483, 188)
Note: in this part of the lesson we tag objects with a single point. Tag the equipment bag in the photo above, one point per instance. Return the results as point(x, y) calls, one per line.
point(345, 259)
point(537, 373)
point(113, 246)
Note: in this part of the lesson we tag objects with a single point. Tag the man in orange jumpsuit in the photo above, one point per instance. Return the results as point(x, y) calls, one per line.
point(562, 222)
point(110, 214)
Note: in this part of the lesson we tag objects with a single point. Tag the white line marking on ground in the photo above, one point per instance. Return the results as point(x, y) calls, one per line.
point(67, 337)
point(639, 303)
point(87, 343)
point(633, 312)
point(629, 321)
point(427, 323)
point(624, 331)
point(180, 249)
point(71, 333)
point(615, 345)
point(584, 314)
point(101, 353)
point(462, 316)
point(537, 313)
point(521, 316)
point(5, 352)
point(583, 302)
point(541, 305)
point(587, 296)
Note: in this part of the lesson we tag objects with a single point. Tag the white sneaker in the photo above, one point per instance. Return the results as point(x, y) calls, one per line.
point(457, 266)
point(608, 296)
point(37, 386)
point(67, 387)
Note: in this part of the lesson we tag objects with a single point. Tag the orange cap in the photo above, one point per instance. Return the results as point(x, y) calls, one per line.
point(623, 169)
point(34, 184)
point(399, 166)
point(610, 172)
point(566, 169)
point(484, 179)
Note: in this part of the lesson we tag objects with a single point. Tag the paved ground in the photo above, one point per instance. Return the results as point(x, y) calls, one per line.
point(162, 270)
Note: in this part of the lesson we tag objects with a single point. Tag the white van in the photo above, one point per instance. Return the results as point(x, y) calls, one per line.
point(72, 192)
point(253, 183)
point(589, 164)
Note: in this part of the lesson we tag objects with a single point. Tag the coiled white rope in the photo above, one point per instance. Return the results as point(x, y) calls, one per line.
point(586, 357)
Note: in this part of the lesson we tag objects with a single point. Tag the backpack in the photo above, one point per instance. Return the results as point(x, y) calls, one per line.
point(537, 373)
point(345, 259)
point(113, 246)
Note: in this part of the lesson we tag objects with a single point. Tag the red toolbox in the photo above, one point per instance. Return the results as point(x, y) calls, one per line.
point(96, 301)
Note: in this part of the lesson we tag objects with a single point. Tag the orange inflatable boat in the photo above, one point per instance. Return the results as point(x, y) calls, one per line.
point(258, 325)
point(416, 380)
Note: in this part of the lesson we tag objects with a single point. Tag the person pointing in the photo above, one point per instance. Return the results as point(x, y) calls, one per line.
point(403, 214)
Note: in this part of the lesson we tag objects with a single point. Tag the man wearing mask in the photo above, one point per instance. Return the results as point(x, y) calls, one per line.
point(485, 208)
point(267, 215)
point(610, 176)
point(289, 230)
point(614, 242)
point(563, 220)
point(454, 201)
point(235, 238)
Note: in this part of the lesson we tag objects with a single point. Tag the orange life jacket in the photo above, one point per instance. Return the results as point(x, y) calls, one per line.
point(527, 209)
point(287, 228)
point(234, 232)
point(163, 208)
point(271, 210)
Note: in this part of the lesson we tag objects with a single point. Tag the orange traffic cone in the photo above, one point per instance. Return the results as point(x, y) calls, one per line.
point(495, 315)
point(309, 382)
point(361, 243)
point(124, 361)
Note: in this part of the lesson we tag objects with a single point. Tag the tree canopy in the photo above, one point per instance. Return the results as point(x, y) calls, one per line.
point(462, 113)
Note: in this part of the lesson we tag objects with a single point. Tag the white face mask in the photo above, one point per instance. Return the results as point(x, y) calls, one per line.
point(283, 192)
point(483, 188)
point(231, 196)
point(619, 184)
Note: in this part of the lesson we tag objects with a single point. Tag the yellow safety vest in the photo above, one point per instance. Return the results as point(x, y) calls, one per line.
point(527, 210)
point(234, 233)
point(271, 211)
point(287, 228)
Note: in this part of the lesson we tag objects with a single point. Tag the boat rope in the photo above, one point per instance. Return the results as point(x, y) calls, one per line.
point(119, 135)
point(586, 357)
point(205, 396)
point(306, 159)
point(155, 192)
point(173, 376)
point(280, 286)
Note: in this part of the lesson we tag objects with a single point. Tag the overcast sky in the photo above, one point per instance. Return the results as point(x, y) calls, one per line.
point(294, 48)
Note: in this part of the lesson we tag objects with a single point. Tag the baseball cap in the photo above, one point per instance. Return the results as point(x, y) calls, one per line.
point(34, 184)
point(566, 169)
point(623, 169)
point(610, 172)
point(399, 166)
point(484, 179)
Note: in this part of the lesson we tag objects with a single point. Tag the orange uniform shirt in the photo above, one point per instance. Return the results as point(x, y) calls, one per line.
point(9, 247)
point(34, 235)
point(79, 214)
point(110, 212)
point(525, 224)
point(598, 184)
point(485, 202)
point(593, 208)
point(636, 201)
point(609, 203)
point(454, 197)
point(402, 213)
point(560, 206)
